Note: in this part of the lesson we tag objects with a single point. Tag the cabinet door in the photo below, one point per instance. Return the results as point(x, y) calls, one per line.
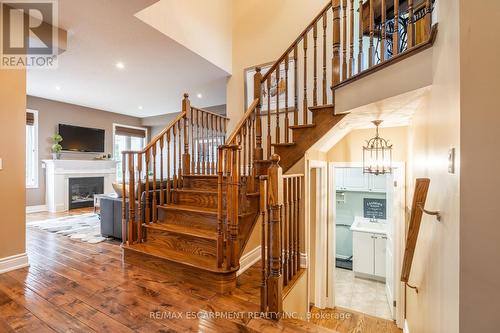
point(339, 179)
point(380, 249)
point(378, 183)
point(355, 179)
point(362, 253)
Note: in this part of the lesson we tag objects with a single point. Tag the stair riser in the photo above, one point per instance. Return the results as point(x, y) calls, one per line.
point(183, 243)
point(320, 114)
point(202, 221)
point(207, 200)
point(199, 183)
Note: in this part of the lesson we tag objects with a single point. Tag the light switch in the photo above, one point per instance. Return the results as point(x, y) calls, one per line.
point(451, 161)
point(1, 164)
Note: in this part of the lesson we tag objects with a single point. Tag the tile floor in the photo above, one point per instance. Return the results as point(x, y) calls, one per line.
point(361, 295)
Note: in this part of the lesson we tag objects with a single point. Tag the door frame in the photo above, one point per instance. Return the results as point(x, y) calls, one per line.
point(319, 297)
point(399, 234)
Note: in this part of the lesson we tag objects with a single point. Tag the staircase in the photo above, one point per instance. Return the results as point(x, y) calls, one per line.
point(199, 192)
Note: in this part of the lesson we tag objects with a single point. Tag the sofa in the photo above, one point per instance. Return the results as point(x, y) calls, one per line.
point(111, 213)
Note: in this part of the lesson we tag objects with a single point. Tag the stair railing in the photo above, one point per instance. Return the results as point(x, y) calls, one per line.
point(282, 224)
point(187, 146)
point(328, 54)
point(236, 176)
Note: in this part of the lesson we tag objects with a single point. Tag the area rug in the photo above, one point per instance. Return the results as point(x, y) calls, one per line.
point(85, 227)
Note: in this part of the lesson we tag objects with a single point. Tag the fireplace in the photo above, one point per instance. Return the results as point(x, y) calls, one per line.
point(82, 190)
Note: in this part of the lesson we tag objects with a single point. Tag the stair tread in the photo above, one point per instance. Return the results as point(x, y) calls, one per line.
point(194, 209)
point(184, 230)
point(319, 107)
point(184, 258)
point(303, 126)
point(201, 176)
point(183, 190)
point(287, 144)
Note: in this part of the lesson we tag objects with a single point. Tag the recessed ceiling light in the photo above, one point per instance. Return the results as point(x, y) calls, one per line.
point(120, 65)
point(140, 107)
point(199, 95)
point(58, 88)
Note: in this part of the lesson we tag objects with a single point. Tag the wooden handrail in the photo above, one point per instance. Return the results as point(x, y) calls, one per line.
point(243, 120)
point(210, 112)
point(296, 41)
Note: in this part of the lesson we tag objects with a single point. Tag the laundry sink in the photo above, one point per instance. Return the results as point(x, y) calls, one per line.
point(365, 225)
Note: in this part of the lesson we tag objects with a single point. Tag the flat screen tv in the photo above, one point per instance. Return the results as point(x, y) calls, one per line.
point(82, 139)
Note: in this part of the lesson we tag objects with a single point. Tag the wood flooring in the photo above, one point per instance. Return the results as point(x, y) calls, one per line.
point(72, 286)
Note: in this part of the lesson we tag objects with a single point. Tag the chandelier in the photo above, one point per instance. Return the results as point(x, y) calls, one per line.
point(377, 154)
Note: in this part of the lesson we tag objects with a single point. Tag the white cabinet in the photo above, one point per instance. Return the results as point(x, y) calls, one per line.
point(355, 180)
point(369, 254)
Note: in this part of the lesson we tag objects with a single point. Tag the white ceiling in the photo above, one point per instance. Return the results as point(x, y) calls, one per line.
point(158, 70)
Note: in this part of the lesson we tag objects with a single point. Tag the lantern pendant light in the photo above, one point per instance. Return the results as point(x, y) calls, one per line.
point(377, 154)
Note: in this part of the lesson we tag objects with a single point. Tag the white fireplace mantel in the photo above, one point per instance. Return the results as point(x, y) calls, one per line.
point(58, 173)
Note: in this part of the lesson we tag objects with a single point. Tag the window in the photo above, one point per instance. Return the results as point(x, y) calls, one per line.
point(127, 138)
point(31, 149)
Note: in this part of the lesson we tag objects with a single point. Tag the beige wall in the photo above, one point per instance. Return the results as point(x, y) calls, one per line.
point(12, 153)
point(349, 149)
point(262, 31)
point(479, 179)
point(50, 114)
point(434, 129)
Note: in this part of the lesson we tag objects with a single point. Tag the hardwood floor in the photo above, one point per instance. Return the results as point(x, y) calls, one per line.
point(72, 286)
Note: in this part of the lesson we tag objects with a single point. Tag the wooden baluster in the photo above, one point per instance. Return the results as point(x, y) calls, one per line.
point(229, 205)
point(296, 85)
point(269, 116)
point(344, 40)
point(351, 38)
point(251, 176)
point(198, 142)
point(395, 35)
point(382, 32)
point(124, 198)
point(235, 207)
point(315, 64)
point(336, 45)
point(263, 211)
point(293, 235)
point(147, 203)
point(220, 216)
point(243, 139)
point(162, 195)
point(203, 126)
point(179, 175)
point(131, 199)
point(278, 133)
point(324, 92)
point(155, 211)
point(169, 180)
point(371, 51)
point(287, 121)
point(427, 19)
point(193, 143)
point(360, 32)
point(304, 106)
point(257, 94)
point(411, 29)
point(174, 157)
point(297, 225)
point(213, 145)
point(284, 226)
point(139, 198)
point(291, 224)
point(275, 279)
point(186, 158)
point(207, 144)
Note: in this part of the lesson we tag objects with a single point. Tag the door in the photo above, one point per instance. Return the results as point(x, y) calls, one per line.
point(380, 255)
point(362, 253)
point(339, 179)
point(392, 207)
point(355, 179)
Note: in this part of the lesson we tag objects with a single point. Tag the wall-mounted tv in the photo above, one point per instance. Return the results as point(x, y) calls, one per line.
point(82, 139)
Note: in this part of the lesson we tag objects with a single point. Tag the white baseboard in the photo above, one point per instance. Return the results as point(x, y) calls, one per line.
point(406, 329)
point(248, 260)
point(36, 209)
point(13, 262)
point(303, 260)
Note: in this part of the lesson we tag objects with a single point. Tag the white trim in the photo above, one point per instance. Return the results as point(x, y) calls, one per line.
point(406, 328)
point(36, 149)
point(36, 209)
point(304, 260)
point(249, 259)
point(118, 176)
point(13, 262)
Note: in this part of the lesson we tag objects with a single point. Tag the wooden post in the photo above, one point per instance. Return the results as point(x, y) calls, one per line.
point(411, 29)
point(336, 45)
point(344, 40)
point(124, 199)
point(220, 216)
point(395, 35)
point(371, 50)
point(186, 158)
point(360, 33)
point(382, 28)
point(263, 210)
point(351, 37)
point(235, 184)
point(131, 199)
point(427, 19)
point(275, 200)
point(139, 198)
point(257, 94)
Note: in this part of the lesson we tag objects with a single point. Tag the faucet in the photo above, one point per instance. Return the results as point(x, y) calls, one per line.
point(374, 219)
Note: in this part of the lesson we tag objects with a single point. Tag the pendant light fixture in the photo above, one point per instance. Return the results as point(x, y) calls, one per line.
point(377, 154)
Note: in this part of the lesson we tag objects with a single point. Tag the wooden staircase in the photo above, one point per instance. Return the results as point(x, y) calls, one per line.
point(198, 195)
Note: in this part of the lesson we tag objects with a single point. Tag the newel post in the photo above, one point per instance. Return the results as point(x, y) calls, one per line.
point(275, 200)
point(336, 44)
point(257, 94)
point(186, 158)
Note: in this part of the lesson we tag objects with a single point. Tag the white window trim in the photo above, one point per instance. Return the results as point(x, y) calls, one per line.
point(127, 126)
point(36, 184)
